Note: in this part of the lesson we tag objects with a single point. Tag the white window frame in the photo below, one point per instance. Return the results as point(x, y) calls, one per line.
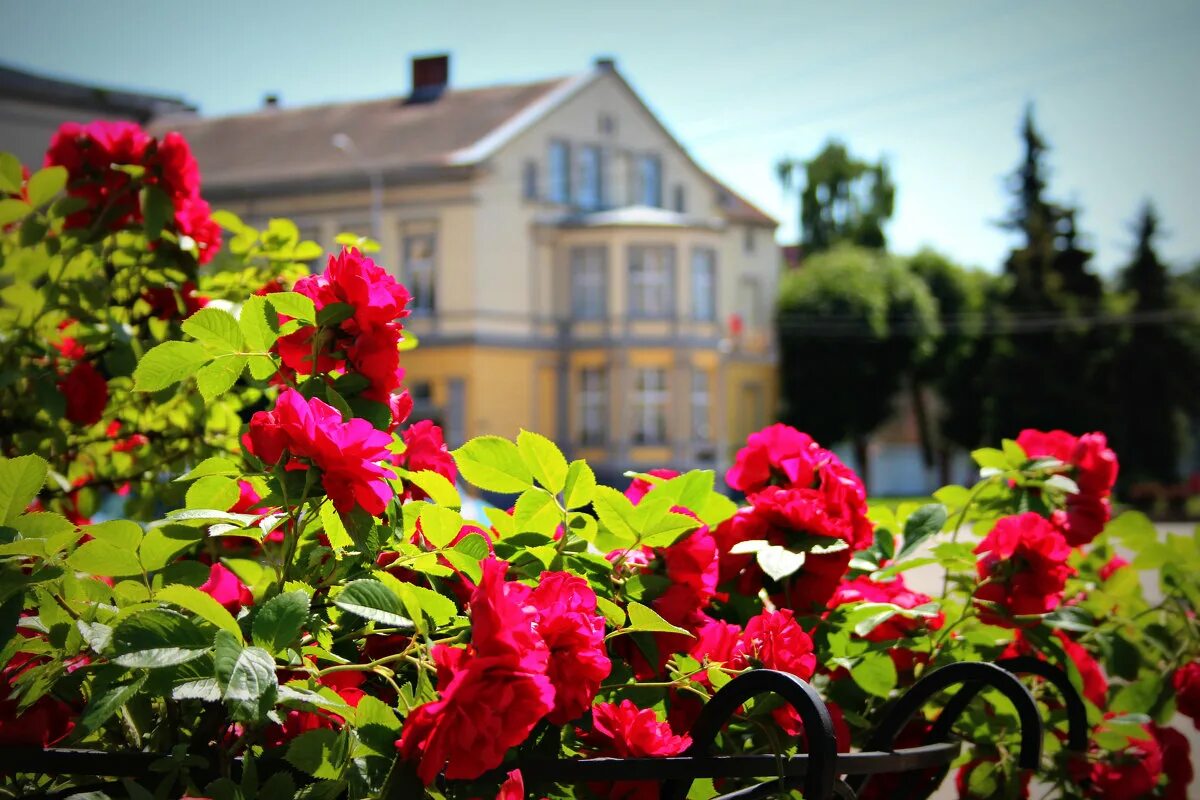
point(558, 173)
point(704, 284)
point(589, 282)
point(589, 186)
point(651, 281)
point(420, 274)
point(651, 398)
point(593, 406)
point(701, 406)
point(649, 172)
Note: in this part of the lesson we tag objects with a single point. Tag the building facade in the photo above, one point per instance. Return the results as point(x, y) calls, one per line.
point(573, 270)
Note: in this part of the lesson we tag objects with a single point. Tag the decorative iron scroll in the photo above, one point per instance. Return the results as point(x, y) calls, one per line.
point(822, 773)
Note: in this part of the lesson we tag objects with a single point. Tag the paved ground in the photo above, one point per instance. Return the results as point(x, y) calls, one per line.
point(928, 579)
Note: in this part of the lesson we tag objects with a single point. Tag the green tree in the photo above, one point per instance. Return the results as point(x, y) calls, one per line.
point(1156, 364)
point(1051, 368)
point(853, 325)
point(953, 369)
point(842, 199)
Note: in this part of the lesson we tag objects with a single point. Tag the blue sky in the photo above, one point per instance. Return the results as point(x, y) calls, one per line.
point(937, 88)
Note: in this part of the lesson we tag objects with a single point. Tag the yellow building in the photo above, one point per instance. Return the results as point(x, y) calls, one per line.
point(573, 270)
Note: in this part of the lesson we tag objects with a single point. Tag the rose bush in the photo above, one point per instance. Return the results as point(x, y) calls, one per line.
point(284, 571)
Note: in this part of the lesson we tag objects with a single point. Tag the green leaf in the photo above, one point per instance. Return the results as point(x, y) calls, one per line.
point(613, 613)
point(218, 376)
point(473, 545)
point(256, 329)
point(536, 511)
point(98, 557)
point(44, 184)
point(246, 673)
point(920, 525)
point(201, 604)
point(418, 599)
point(779, 562)
point(990, 458)
point(280, 621)
point(101, 707)
point(616, 514)
point(161, 545)
point(118, 532)
point(157, 638)
point(1013, 452)
point(334, 313)
point(439, 525)
point(373, 601)
point(335, 528)
point(167, 364)
point(580, 485)
point(21, 479)
point(213, 491)
point(494, 464)
point(441, 491)
point(11, 175)
point(875, 673)
point(544, 459)
point(213, 465)
point(157, 208)
point(12, 209)
point(216, 329)
point(321, 753)
point(644, 618)
point(294, 305)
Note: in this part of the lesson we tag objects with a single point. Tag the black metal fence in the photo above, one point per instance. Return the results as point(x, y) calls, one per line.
point(821, 772)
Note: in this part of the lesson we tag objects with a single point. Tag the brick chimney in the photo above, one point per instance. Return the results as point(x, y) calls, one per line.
point(430, 76)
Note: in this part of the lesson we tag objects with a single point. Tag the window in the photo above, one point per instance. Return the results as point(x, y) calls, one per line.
point(704, 284)
point(529, 181)
point(589, 287)
point(750, 302)
point(748, 242)
point(419, 254)
point(649, 181)
point(590, 187)
point(651, 282)
point(593, 406)
point(456, 412)
point(680, 199)
point(607, 125)
point(701, 419)
point(650, 406)
point(560, 172)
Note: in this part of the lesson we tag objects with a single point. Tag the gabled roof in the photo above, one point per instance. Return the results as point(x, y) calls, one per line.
point(277, 149)
point(288, 145)
point(42, 89)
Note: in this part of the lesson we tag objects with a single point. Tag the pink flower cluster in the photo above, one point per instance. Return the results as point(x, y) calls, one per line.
point(91, 154)
point(367, 341)
point(1093, 466)
point(535, 653)
point(311, 434)
point(795, 488)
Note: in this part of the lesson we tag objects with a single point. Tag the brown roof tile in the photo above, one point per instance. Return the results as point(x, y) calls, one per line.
point(295, 144)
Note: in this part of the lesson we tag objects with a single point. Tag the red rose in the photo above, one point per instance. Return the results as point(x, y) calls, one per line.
point(225, 587)
point(864, 590)
point(574, 634)
point(1177, 761)
point(513, 787)
point(376, 296)
point(1186, 681)
point(168, 303)
point(345, 684)
point(626, 731)
point(375, 354)
point(86, 391)
point(425, 449)
point(1094, 468)
point(1128, 773)
point(1111, 566)
point(487, 705)
point(775, 641)
point(1095, 684)
point(47, 721)
point(347, 453)
point(779, 455)
point(1024, 561)
point(640, 487)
